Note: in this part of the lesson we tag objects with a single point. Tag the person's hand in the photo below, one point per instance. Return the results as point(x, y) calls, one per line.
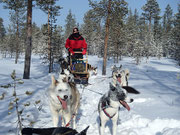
point(72, 53)
point(84, 52)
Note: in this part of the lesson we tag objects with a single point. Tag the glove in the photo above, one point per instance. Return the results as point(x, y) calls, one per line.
point(72, 52)
point(84, 52)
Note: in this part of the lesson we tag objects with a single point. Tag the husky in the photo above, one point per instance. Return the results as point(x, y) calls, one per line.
point(64, 100)
point(64, 63)
point(67, 74)
point(92, 70)
point(110, 103)
point(53, 131)
point(120, 75)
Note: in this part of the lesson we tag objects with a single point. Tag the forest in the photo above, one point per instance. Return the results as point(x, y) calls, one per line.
point(110, 27)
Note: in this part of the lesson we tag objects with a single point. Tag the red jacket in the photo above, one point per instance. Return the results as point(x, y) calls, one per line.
point(76, 41)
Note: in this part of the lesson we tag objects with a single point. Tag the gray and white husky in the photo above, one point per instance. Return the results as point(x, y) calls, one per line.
point(120, 75)
point(64, 100)
point(110, 103)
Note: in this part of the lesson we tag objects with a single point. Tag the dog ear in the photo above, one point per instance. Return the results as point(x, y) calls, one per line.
point(127, 73)
point(54, 81)
point(84, 131)
point(112, 87)
point(131, 90)
point(114, 68)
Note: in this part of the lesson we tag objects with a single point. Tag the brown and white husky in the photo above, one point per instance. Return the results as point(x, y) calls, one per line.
point(64, 100)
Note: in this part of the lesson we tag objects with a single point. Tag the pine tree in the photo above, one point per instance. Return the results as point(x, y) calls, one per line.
point(101, 12)
point(18, 8)
point(91, 30)
point(151, 10)
point(106, 37)
point(132, 33)
point(176, 35)
point(2, 30)
point(70, 24)
point(50, 8)
point(27, 62)
point(117, 29)
point(167, 37)
point(168, 19)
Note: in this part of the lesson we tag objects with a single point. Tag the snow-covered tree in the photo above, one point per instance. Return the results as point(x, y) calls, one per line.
point(70, 24)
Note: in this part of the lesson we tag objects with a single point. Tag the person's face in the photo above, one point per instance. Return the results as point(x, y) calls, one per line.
point(75, 31)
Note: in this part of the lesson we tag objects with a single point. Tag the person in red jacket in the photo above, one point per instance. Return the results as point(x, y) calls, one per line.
point(76, 43)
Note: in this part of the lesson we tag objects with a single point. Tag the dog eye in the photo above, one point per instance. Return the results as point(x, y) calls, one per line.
point(113, 89)
point(59, 90)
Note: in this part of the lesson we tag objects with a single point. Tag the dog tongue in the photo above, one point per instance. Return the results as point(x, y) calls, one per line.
point(64, 104)
point(125, 105)
point(119, 80)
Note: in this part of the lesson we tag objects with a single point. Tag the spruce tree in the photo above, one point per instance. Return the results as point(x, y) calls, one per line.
point(168, 19)
point(91, 30)
point(117, 29)
point(176, 35)
point(70, 24)
point(167, 37)
point(2, 30)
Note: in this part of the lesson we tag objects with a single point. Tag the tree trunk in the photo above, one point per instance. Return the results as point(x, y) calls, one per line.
point(150, 24)
point(27, 62)
point(49, 44)
point(106, 39)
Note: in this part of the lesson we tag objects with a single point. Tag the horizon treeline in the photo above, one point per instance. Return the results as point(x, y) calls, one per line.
point(131, 34)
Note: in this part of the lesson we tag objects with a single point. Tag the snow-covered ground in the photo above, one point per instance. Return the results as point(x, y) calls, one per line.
point(156, 111)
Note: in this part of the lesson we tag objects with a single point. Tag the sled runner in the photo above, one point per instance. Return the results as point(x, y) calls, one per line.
point(78, 67)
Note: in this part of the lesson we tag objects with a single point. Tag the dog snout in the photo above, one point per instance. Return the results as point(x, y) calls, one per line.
point(119, 75)
point(131, 100)
point(65, 96)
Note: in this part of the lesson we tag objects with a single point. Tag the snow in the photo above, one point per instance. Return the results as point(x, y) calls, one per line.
point(156, 111)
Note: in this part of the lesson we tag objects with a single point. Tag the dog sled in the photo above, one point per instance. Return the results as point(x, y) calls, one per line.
point(79, 68)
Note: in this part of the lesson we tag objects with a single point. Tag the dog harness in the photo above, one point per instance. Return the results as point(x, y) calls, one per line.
point(104, 105)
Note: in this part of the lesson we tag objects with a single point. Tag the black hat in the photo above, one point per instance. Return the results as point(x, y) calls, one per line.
point(76, 29)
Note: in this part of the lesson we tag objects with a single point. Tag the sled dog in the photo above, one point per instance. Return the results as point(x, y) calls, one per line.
point(64, 64)
point(53, 131)
point(92, 70)
point(67, 74)
point(64, 100)
point(120, 75)
point(110, 103)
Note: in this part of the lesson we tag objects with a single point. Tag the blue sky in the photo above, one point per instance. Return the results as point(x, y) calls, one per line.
point(79, 7)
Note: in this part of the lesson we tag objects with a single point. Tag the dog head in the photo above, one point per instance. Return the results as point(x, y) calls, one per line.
point(61, 90)
point(117, 93)
point(64, 63)
point(120, 75)
point(67, 74)
point(92, 69)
